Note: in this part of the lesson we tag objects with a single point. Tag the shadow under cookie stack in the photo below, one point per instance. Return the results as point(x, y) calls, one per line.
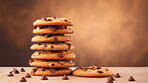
point(53, 55)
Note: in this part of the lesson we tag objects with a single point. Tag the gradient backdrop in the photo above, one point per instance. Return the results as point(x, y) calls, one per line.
point(106, 32)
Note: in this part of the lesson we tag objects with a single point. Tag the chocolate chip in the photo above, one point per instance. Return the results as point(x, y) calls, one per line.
point(54, 17)
point(100, 72)
point(10, 71)
point(98, 67)
point(61, 55)
point(109, 80)
point(52, 46)
point(38, 53)
point(55, 39)
point(49, 20)
point(27, 76)
point(131, 79)
point(53, 71)
point(34, 70)
point(106, 69)
point(66, 20)
point(69, 45)
point(34, 27)
point(10, 74)
point(111, 77)
point(16, 71)
point(65, 78)
point(22, 70)
point(45, 46)
point(13, 70)
point(31, 60)
point(65, 27)
point(44, 78)
point(52, 64)
point(117, 75)
point(23, 79)
point(39, 44)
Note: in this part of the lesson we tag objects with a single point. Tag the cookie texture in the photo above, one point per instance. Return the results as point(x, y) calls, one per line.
point(52, 30)
point(53, 55)
point(52, 46)
point(51, 63)
point(51, 38)
point(92, 71)
point(53, 21)
point(49, 71)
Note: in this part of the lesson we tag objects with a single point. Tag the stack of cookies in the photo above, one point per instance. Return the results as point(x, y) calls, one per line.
point(52, 43)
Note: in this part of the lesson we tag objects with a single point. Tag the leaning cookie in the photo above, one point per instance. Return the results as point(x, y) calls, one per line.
point(51, 38)
point(49, 71)
point(52, 46)
point(92, 71)
point(52, 30)
point(53, 21)
point(51, 63)
point(53, 55)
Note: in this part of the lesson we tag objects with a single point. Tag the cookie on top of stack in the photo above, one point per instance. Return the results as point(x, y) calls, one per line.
point(53, 55)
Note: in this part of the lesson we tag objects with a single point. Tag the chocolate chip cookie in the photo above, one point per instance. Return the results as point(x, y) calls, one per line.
point(53, 21)
point(53, 55)
point(92, 71)
point(49, 71)
point(51, 63)
point(52, 30)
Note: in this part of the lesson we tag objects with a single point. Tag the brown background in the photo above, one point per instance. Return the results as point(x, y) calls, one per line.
point(106, 32)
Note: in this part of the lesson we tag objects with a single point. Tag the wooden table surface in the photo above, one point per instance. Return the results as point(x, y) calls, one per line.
point(139, 73)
